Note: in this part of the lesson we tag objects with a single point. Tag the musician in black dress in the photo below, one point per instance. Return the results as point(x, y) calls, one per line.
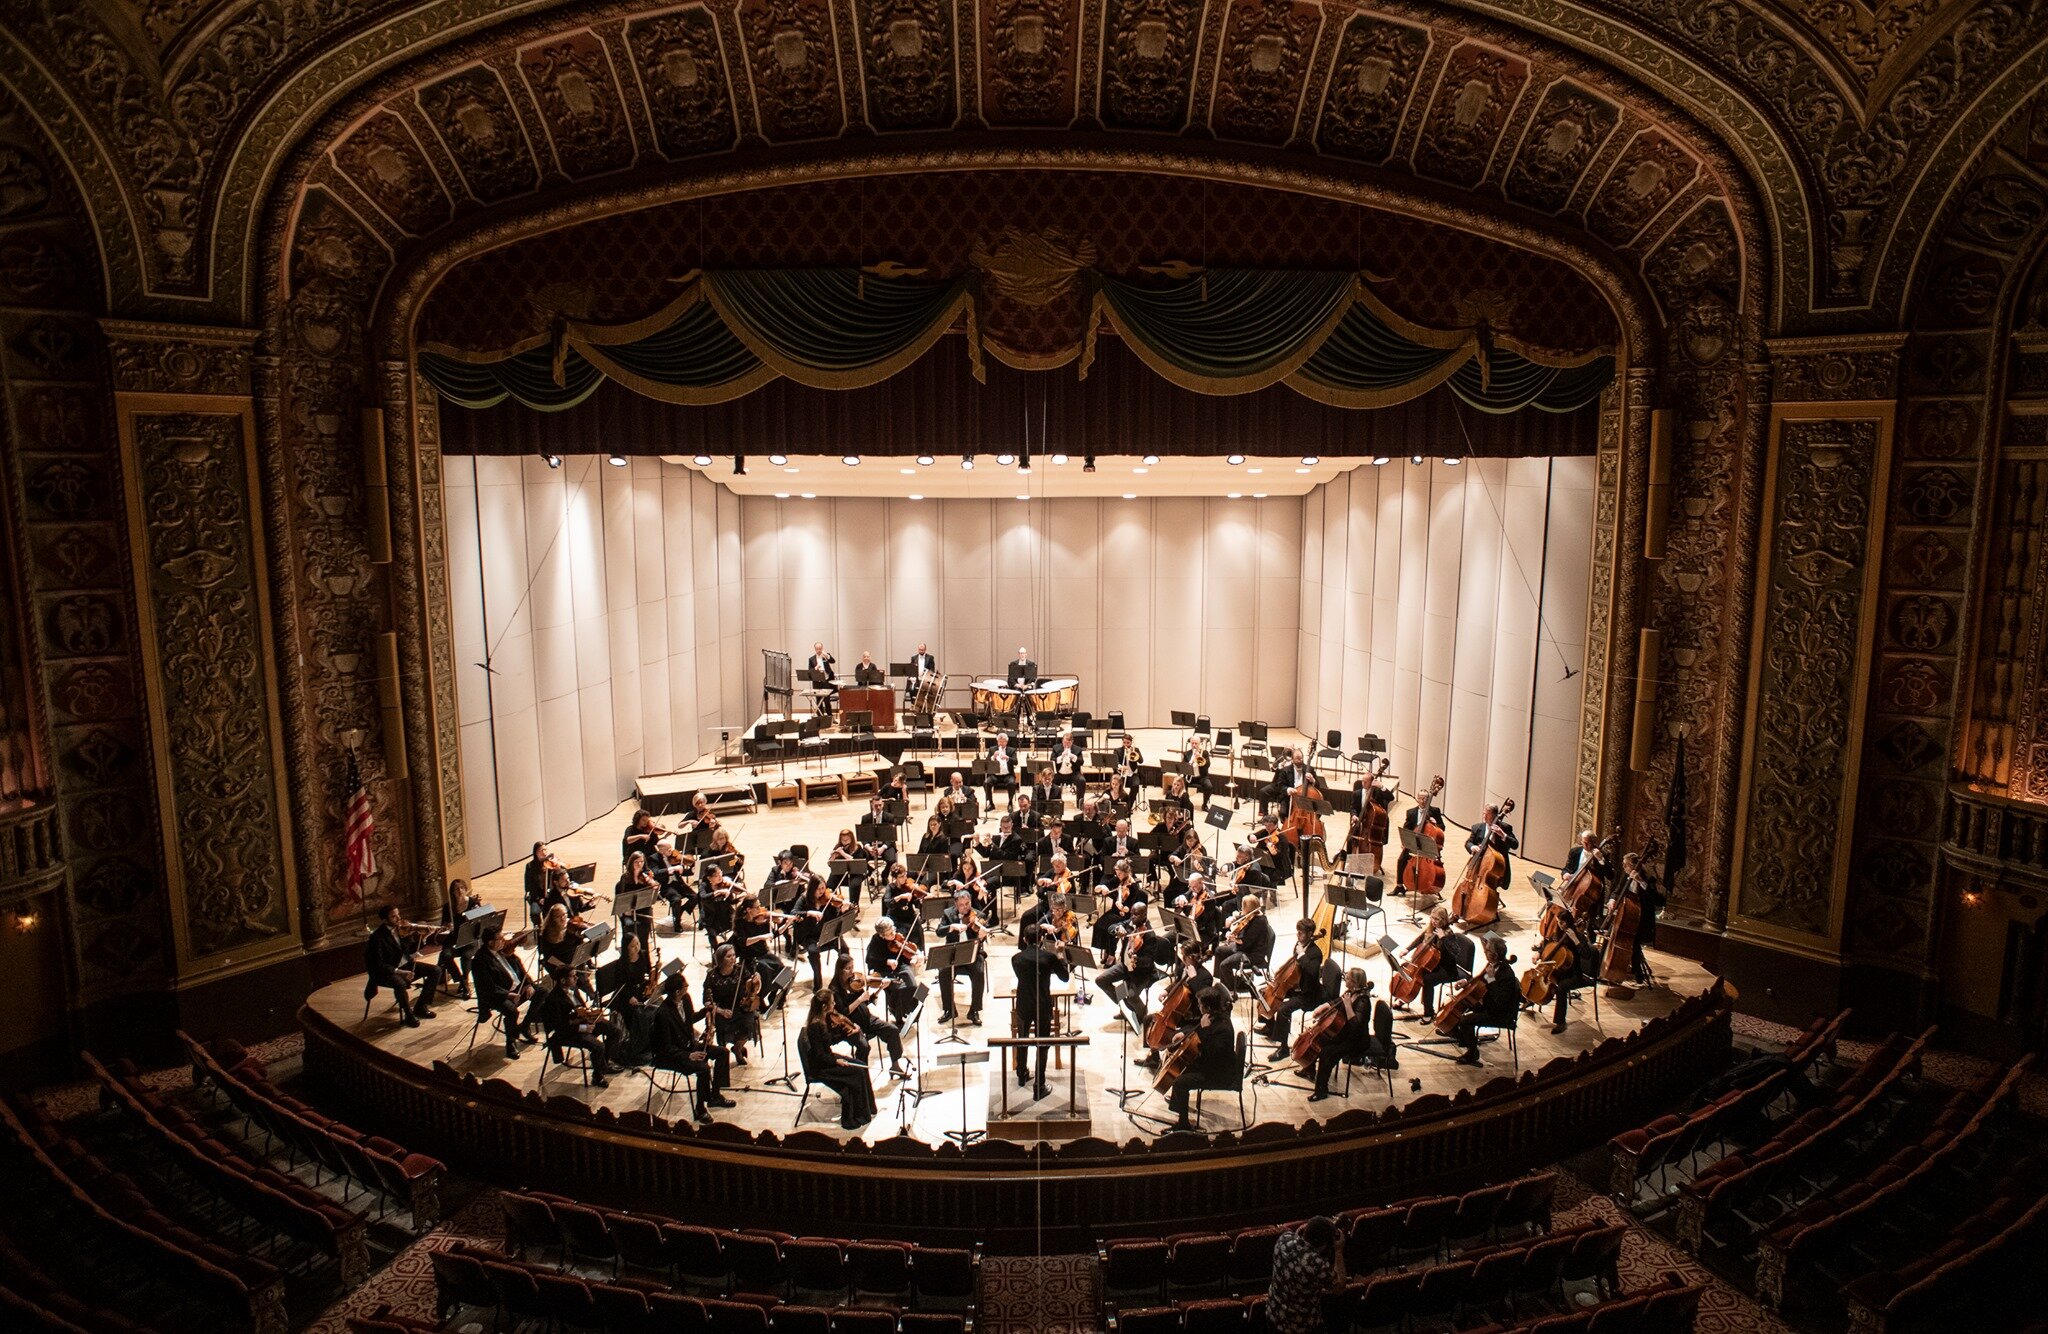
point(1306, 994)
point(1356, 1040)
point(892, 960)
point(901, 900)
point(456, 967)
point(537, 879)
point(848, 1077)
point(854, 994)
point(390, 960)
point(1215, 1060)
point(715, 904)
point(555, 945)
point(1139, 955)
point(1499, 1008)
point(731, 1002)
point(1126, 893)
point(1035, 968)
point(680, 1047)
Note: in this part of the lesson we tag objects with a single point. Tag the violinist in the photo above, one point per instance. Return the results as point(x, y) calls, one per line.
point(1139, 954)
point(721, 852)
point(715, 903)
point(1494, 829)
point(1456, 955)
point(1190, 969)
point(824, 1028)
point(901, 901)
point(1355, 1039)
point(1215, 1059)
point(573, 1018)
point(786, 873)
point(672, 879)
point(1190, 860)
point(1062, 926)
point(1127, 895)
point(848, 849)
point(1287, 776)
point(1069, 766)
point(962, 923)
point(892, 961)
point(753, 936)
point(502, 986)
point(1035, 968)
point(557, 942)
point(389, 959)
point(1499, 1007)
point(698, 827)
point(537, 872)
point(853, 994)
point(1192, 902)
point(1247, 944)
point(637, 876)
point(1196, 758)
point(731, 1000)
point(1307, 992)
point(456, 967)
point(678, 1046)
point(640, 836)
point(936, 841)
point(624, 985)
point(817, 906)
point(561, 893)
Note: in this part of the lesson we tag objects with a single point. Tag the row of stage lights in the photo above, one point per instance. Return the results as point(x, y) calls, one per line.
point(739, 461)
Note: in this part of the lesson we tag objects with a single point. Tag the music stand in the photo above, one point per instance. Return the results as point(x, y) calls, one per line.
point(832, 932)
point(630, 903)
point(1184, 928)
point(902, 669)
point(593, 944)
point(921, 865)
point(963, 1136)
point(1218, 818)
point(954, 956)
point(1416, 845)
point(1360, 901)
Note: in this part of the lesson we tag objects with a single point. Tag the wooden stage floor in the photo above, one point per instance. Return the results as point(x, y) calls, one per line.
point(759, 834)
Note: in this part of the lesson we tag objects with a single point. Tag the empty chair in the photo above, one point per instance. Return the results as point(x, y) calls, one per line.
point(518, 1295)
point(673, 1313)
point(1671, 1310)
point(566, 1300)
point(932, 1322)
point(622, 1310)
point(755, 1262)
point(641, 1243)
point(800, 1320)
point(860, 1320)
point(698, 1258)
point(1528, 1205)
point(815, 1269)
point(1426, 1223)
point(1216, 1315)
point(531, 1223)
point(1440, 1289)
point(1149, 1320)
point(584, 1230)
point(878, 1271)
point(1198, 1260)
point(735, 1317)
point(945, 1277)
point(1134, 1269)
point(1595, 1255)
point(1492, 1281)
point(1251, 1257)
point(1478, 1210)
point(1386, 1299)
point(1617, 1317)
point(461, 1280)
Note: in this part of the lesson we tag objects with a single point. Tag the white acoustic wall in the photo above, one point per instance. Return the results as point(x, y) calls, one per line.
point(1440, 608)
point(608, 600)
point(1156, 604)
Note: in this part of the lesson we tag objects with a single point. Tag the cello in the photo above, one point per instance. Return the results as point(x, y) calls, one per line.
point(1425, 955)
point(1288, 974)
point(1476, 900)
point(1619, 956)
point(1423, 877)
point(1468, 998)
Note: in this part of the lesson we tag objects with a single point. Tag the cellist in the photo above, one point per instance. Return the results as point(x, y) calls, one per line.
point(1498, 1008)
point(1190, 972)
point(1307, 992)
point(1355, 1039)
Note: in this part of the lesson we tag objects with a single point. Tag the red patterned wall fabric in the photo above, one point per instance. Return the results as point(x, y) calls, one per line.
point(619, 268)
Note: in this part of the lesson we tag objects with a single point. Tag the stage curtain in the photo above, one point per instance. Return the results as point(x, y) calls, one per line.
point(1225, 331)
point(1218, 332)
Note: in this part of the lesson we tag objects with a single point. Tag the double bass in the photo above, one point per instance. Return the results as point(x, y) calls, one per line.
point(1476, 900)
point(1302, 821)
point(1617, 960)
point(1423, 877)
point(1370, 822)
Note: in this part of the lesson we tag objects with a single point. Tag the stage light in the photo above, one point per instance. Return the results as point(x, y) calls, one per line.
point(850, 460)
point(915, 496)
point(1381, 462)
point(925, 460)
point(810, 495)
point(782, 495)
point(967, 463)
point(1151, 460)
point(1234, 495)
point(739, 465)
point(1258, 495)
point(1130, 495)
point(1059, 460)
point(1023, 497)
point(1452, 463)
point(1415, 460)
point(702, 460)
point(616, 460)
point(1234, 460)
point(1006, 459)
point(1310, 460)
point(1088, 464)
point(552, 460)
point(778, 459)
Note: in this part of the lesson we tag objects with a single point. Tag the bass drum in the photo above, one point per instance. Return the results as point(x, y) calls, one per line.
point(924, 696)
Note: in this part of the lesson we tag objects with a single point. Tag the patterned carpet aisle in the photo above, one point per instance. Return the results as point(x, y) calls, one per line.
point(1052, 1294)
point(406, 1285)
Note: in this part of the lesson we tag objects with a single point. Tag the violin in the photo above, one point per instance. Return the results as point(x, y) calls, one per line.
point(750, 992)
point(1242, 920)
point(1476, 900)
point(1064, 926)
point(1423, 877)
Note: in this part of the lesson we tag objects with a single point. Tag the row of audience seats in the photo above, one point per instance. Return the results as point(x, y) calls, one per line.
point(752, 1263)
point(1473, 1286)
point(1985, 1275)
point(1720, 1193)
point(1669, 1306)
point(31, 1299)
point(125, 1226)
point(274, 1199)
point(1427, 1227)
point(482, 1279)
point(1644, 1157)
point(1839, 1229)
point(369, 1161)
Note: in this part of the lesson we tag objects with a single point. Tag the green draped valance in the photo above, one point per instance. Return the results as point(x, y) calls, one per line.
point(1223, 331)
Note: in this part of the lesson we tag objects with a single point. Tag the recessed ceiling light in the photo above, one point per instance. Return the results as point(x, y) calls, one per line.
point(702, 460)
point(616, 460)
point(810, 495)
point(552, 460)
point(1255, 471)
point(925, 460)
point(1234, 460)
point(1234, 495)
point(1300, 471)
point(967, 463)
point(1006, 459)
point(782, 495)
point(1130, 495)
point(1023, 497)
point(1258, 495)
point(1151, 459)
point(778, 459)
point(1059, 460)
point(1381, 461)
point(916, 497)
point(1415, 460)
point(1310, 459)
point(1453, 462)
point(850, 460)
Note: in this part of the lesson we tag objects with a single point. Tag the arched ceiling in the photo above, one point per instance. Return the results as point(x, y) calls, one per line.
point(1616, 118)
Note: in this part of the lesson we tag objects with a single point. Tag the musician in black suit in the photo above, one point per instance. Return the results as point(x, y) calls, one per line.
point(1215, 1060)
point(893, 966)
point(1069, 762)
point(922, 661)
point(388, 961)
point(1023, 672)
point(1140, 954)
point(868, 672)
point(1641, 886)
point(1499, 1008)
point(1287, 776)
point(1035, 968)
point(1189, 968)
point(999, 771)
point(537, 879)
point(1356, 1039)
point(1306, 994)
point(960, 924)
point(818, 670)
point(1246, 949)
point(1455, 964)
point(1587, 848)
point(678, 1046)
point(1425, 811)
point(1494, 828)
point(565, 1028)
point(501, 987)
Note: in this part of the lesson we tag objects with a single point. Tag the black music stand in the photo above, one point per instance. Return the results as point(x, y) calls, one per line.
point(630, 903)
point(1360, 901)
point(787, 1079)
point(957, 955)
point(1218, 817)
point(962, 1059)
point(1416, 845)
point(922, 865)
point(1184, 928)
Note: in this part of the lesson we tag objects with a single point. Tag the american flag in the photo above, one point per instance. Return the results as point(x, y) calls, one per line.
point(362, 860)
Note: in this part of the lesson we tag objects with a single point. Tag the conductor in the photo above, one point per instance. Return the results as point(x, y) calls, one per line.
point(1023, 672)
point(1035, 967)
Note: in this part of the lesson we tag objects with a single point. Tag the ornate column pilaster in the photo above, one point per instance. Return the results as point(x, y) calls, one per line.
point(186, 423)
point(1828, 472)
point(1628, 610)
point(1593, 718)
